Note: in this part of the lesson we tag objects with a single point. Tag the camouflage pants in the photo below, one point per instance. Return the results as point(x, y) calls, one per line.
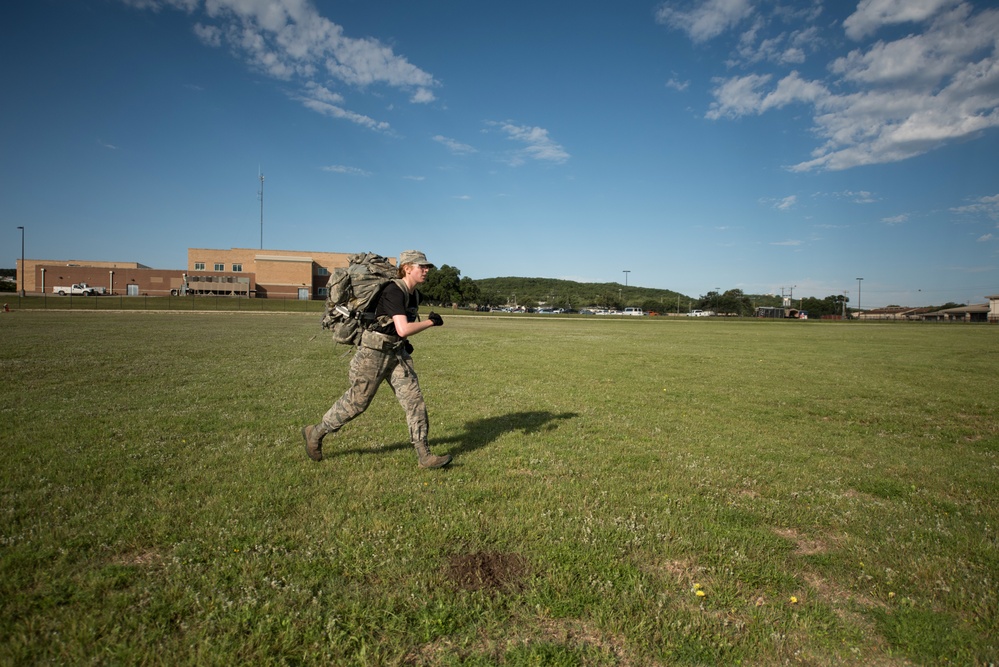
point(367, 371)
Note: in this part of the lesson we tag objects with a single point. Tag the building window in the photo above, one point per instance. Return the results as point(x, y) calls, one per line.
point(322, 292)
point(322, 271)
point(237, 267)
point(219, 266)
point(199, 266)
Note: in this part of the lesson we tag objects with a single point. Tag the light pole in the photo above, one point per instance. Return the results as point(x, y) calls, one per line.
point(261, 193)
point(22, 261)
point(858, 296)
point(626, 272)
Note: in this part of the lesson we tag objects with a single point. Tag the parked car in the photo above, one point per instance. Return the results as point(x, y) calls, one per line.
point(78, 288)
point(700, 313)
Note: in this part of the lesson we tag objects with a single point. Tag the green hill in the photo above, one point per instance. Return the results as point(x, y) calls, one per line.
point(556, 293)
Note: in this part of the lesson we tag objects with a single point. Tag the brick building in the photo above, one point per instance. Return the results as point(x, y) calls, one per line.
point(282, 274)
point(275, 274)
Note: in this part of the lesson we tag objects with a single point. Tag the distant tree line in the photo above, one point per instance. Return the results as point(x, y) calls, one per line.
point(734, 302)
point(445, 286)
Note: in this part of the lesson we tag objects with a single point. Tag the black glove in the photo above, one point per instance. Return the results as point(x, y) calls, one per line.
point(436, 319)
point(408, 347)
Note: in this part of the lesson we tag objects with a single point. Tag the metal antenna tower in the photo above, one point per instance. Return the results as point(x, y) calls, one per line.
point(787, 297)
point(261, 195)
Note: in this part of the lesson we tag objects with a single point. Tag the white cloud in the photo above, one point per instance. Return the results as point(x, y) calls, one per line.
point(322, 100)
point(323, 94)
point(289, 40)
point(156, 5)
point(676, 84)
point(537, 144)
point(912, 95)
point(455, 146)
point(872, 14)
point(785, 204)
point(883, 101)
point(704, 20)
point(896, 219)
point(988, 206)
point(786, 48)
point(787, 243)
point(342, 169)
point(742, 95)
point(859, 197)
point(737, 96)
point(208, 34)
point(985, 238)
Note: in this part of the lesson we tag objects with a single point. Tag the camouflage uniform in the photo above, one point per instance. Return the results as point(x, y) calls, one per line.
point(367, 371)
point(382, 355)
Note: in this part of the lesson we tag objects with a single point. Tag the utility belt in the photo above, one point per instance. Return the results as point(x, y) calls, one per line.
point(374, 340)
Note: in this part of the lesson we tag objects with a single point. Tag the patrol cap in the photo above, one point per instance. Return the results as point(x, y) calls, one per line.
point(414, 257)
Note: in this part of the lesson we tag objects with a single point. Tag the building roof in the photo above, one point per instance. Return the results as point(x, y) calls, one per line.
point(973, 308)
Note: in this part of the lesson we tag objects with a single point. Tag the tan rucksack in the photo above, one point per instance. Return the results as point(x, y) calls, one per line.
point(352, 294)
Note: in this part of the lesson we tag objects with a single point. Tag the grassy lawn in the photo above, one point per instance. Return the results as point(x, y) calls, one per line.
point(624, 492)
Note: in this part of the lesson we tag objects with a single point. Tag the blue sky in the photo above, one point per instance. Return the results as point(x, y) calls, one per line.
point(759, 145)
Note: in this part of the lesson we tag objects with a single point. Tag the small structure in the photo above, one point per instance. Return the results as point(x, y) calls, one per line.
point(904, 313)
point(979, 312)
point(776, 312)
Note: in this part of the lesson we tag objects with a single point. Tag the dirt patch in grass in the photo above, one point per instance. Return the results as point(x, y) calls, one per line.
point(143, 558)
point(489, 571)
point(803, 546)
point(682, 572)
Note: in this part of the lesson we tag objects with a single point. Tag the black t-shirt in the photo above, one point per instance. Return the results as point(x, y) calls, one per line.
point(396, 301)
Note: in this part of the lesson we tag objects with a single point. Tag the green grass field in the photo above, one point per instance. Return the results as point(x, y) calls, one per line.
point(624, 492)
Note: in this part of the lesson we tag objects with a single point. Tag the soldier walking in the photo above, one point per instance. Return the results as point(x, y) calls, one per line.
point(384, 355)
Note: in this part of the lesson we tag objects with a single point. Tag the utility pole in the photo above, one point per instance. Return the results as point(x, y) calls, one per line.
point(261, 193)
point(626, 272)
point(858, 296)
point(22, 261)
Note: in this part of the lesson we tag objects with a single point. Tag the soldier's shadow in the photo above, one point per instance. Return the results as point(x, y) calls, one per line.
point(479, 433)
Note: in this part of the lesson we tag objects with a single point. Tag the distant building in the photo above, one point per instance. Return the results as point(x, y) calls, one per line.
point(894, 313)
point(979, 312)
point(275, 274)
point(281, 274)
point(129, 278)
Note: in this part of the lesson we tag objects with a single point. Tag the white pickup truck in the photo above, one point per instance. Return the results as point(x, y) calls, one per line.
point(78, 288)
point(700, 313)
